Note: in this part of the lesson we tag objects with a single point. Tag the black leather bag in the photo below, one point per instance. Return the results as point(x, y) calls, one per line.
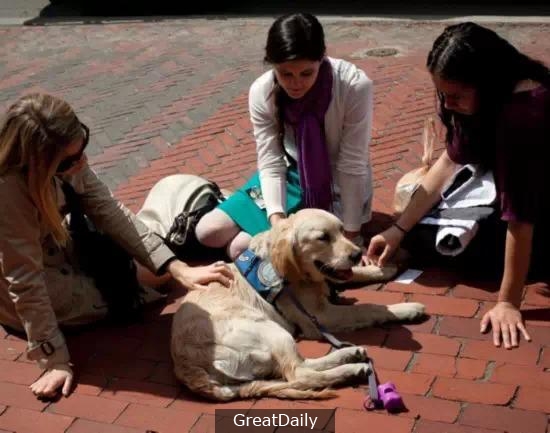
point(110, 266)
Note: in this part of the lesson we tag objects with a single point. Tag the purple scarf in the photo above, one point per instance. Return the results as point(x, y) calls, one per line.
point(307, 116)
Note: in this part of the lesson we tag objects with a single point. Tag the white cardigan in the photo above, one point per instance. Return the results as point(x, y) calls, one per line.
point(348, 124)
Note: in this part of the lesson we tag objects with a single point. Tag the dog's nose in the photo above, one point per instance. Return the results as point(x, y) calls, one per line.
point(355, 257)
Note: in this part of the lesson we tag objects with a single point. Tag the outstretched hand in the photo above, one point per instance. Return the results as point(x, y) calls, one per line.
point(505, 320)
point(198, 277)
point(383, 246)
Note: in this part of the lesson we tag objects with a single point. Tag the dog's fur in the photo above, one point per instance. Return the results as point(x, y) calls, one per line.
point(406, 185)
point(229, 343)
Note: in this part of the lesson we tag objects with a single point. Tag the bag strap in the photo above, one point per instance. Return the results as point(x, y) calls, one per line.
point(195, 194)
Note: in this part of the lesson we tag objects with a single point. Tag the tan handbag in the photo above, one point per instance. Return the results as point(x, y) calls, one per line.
point(407, 184)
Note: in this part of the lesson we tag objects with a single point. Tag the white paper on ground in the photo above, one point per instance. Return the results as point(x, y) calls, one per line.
point(408, 276)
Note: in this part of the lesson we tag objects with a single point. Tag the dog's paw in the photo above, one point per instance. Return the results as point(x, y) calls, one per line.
point(354, 354)
point(408, 310)
point(369, 273)
point(389, 271)
point(362, 370)
point(360, 354)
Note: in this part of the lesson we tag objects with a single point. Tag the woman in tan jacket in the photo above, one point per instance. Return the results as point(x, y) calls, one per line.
point(42, 145)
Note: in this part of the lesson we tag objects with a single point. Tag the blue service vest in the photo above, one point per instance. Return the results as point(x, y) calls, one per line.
point(260, 275)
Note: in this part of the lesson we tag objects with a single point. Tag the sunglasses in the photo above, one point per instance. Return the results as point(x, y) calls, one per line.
point(72, 160)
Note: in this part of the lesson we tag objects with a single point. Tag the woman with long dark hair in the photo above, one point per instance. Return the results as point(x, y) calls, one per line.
point(312, 117)
point(495, 104)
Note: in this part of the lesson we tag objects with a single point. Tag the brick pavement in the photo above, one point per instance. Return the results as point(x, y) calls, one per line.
point(170, 97)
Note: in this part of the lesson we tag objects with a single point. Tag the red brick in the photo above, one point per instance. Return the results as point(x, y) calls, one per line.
point(389, 359)
point(479, 292)
point(312, 348)
point(525, 354)
point(11, 349)
point(470, 368)
point(26, 421)
point(539, 335)
point(447, 306)
point(164, 373)
point(408, 383)
point(347, 398)
point(90, 385)
point(364, 337)
point(537, 294)
point(19, 372)
point(503, 419)
point(205, 424)
point(431, 408)
point(533, 398)
point(426, 426)
point(350, 421)
point(524, 376)
point(157, 419)
point(188, 402)
point(20, 396)
point(430, 282)
point(449, 366)
point(111, 343)
point(535, 315)
point(120, 367)
point(424, 343)
point(209, 157)
point(374, 297)
point(424, 326)
point(148, 393)
point(461, 327)
point(89, 407)
point(545, 358)
point(470, 391)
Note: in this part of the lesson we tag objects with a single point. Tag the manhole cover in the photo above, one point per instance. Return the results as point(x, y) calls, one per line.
point(381, 52)
point(375, 52)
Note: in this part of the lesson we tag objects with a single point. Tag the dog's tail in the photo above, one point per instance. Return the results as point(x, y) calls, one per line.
point(280, 389)
point(200, 382)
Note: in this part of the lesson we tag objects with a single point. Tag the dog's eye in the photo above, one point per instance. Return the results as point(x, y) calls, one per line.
point(324, 237)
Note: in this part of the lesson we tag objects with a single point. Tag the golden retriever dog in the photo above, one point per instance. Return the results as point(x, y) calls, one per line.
point(406, 185)
point(231, 343)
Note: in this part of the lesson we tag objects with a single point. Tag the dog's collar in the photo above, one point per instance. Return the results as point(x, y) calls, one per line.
point(260, 275)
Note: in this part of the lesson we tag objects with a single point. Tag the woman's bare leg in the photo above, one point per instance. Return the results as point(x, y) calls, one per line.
point(216, 230)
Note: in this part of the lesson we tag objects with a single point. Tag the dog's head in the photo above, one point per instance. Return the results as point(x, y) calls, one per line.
point(309, 245)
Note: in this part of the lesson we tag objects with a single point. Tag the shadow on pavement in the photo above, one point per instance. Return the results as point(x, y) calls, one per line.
point(103, 10)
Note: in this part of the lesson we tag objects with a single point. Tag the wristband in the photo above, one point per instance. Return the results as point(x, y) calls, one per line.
point(401, 229)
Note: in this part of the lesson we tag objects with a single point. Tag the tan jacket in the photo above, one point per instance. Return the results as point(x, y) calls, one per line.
point(40, 286)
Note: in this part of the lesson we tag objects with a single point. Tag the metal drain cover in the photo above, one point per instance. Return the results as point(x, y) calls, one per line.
point(381, 52)
point(375, 52)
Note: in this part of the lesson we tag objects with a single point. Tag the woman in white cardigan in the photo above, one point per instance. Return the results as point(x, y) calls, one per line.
point(311, 117)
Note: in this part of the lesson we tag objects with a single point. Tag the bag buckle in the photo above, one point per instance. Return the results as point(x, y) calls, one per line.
point(47, 348)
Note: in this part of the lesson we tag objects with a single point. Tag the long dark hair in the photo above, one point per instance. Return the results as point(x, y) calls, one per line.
point(296, 36)
point(477, 56)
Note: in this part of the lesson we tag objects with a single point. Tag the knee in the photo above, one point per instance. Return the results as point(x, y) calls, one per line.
point(238, 245)
point(215, 229)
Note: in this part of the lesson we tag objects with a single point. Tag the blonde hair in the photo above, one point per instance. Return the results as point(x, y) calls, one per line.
point(33, 133)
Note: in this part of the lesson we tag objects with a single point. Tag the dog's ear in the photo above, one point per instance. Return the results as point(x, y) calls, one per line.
point(282, 251)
